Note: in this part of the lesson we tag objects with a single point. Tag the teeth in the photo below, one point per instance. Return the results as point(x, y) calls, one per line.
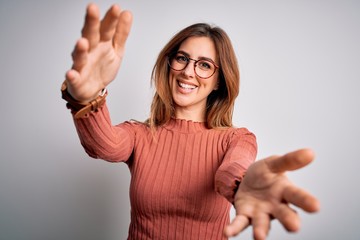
point(187, 86)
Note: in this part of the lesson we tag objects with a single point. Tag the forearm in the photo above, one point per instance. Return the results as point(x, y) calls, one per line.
point(241, 153)
point(101, 139)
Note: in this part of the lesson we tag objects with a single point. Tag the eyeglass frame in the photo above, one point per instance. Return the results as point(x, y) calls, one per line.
point(171, 57)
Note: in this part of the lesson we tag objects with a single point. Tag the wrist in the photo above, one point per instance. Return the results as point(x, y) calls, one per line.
point(82, 109)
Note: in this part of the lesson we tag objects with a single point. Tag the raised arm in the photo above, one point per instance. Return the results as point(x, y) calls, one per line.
point(97, 57)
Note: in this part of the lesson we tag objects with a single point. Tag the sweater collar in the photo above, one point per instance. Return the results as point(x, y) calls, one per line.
point(185, 126)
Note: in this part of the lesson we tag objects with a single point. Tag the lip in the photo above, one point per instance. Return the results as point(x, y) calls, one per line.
point(190, 86)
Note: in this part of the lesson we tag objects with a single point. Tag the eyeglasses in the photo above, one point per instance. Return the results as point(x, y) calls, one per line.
point(204, 68)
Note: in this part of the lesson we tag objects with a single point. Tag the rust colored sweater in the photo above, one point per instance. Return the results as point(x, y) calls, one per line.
point(183, 180)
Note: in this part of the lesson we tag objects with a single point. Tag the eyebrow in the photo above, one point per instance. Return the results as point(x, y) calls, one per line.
point(200, 58)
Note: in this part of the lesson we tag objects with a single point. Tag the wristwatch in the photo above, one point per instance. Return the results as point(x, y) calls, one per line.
point(82, 110)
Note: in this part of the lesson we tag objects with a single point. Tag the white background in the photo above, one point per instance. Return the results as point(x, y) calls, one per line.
point(300, 83)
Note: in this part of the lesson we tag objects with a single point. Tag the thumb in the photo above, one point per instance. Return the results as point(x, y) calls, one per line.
point(290, 161)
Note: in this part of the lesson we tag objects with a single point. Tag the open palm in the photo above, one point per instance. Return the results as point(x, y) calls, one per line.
point(98, 54)
point(266, 193)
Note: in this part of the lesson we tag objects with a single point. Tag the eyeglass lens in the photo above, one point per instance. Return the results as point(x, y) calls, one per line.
point(203, 68)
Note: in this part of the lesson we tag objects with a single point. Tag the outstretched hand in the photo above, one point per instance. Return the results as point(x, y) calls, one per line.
point(266, 193)
point(98, 53)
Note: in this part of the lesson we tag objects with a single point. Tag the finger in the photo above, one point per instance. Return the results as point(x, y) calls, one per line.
point(91, 27)
point(122, 30)
point(108, 24)
point(301, 199)
point(291, 161)
point(239, 224)
point(80, 54)
point(261, 225)
point(287, 217)
point(72, 77)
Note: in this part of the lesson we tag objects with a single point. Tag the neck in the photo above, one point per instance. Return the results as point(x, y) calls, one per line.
point(188, 114)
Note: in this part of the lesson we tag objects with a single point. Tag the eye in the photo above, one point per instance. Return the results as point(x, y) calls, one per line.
point(205, 65)
point(181, 58)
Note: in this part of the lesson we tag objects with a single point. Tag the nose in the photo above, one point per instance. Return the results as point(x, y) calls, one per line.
point(189, 70)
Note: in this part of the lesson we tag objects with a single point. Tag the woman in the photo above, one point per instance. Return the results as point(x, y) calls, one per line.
point(187, 161)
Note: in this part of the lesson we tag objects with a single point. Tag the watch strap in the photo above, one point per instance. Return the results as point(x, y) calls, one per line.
point(82, 110)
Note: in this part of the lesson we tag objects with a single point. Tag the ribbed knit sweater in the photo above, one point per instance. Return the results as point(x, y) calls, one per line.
point(183, 176)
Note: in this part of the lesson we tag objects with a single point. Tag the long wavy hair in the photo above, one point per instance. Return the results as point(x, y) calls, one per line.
point(220, 103)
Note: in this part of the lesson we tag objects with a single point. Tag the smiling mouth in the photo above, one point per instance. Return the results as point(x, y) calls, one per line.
point(186, 86)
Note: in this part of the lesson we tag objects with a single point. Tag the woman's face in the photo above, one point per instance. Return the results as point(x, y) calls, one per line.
point(190, 91)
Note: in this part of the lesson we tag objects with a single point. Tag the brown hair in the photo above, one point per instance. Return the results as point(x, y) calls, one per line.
point(220, 103)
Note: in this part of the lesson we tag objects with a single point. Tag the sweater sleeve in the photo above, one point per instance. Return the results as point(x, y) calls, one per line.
point(241, 150)
point(102, 140)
